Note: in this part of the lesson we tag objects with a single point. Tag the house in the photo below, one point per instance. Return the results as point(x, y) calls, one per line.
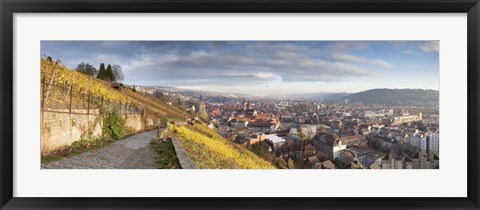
point(238, 123)
point(393, 161)
point(350, 124)
point(276, 143)
point(336, 124)
point(255, 138)
point(300, 119)
point(241, 138)
point(317, 165)
point(366, 156)
point(216, 112)
point(293, 130)
point(356, 165)
point(309, 130)
point(261, 126)
point(285, 117)
point(346, 156)
point(352, 139)
point(116, 85)
point(406, 118)
point(211, 126)
point(328, 165)
point(294, 137)
point(251, 113)
point(375, 166)
point(409, 165)
point(411, 131)
point(312, 160)
point(329, 144)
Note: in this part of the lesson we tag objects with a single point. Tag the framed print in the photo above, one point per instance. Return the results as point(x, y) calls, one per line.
point(239, 105)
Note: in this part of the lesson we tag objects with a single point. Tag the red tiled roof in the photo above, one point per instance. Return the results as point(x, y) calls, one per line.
point(349, 138)
point(260, 124)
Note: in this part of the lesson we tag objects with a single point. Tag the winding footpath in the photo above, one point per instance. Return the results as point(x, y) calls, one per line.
point(133, 152)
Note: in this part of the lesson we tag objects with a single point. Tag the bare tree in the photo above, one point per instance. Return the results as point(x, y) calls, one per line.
point(81, 67)
point(87, 68)
point(118, 73)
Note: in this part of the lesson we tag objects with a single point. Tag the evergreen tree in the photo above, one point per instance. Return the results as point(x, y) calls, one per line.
point(101, 73)
point(109, 76)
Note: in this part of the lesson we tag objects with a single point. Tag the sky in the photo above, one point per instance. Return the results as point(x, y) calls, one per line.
point(261, 67)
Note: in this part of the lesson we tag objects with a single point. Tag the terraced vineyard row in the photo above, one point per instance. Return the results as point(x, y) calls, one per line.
point(58, 82)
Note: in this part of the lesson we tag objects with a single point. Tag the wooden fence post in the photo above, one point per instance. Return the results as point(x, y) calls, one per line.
point(43, 93)
point(71, 94)
point(88, 105)
point(88, 113)
point(43, 100)
point(70, 113)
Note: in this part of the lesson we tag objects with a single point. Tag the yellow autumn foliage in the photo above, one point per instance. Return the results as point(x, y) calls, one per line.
point(210, 150)
point(61, 79)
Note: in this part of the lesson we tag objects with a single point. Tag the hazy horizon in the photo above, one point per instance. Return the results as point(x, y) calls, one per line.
point(262, 67)
point(311, 95)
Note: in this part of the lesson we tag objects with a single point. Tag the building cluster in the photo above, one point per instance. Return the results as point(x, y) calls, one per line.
point(331, 136)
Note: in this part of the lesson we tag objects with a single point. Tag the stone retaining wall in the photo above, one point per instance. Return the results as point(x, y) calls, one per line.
point(185, 161)
point(60, 128)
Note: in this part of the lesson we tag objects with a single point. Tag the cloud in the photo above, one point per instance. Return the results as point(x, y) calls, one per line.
point(348, 58)
point(264, 76)
point(378, 62)
point(362, 60)
point(430, 46)
point(351, 45)
point(410, 52)
point(187, 63)
point(415, 47)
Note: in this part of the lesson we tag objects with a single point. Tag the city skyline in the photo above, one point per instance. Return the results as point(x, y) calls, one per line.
point(262, 67)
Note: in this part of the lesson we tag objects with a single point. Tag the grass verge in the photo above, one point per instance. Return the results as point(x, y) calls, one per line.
point(166, 158)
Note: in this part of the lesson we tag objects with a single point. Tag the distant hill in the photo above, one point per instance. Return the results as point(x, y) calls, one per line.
point(382, 96)
point(320, 96)
point(335, 96)
point(396, 97)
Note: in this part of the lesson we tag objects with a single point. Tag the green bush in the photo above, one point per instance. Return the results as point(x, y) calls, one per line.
point(113, 125)
point(78, 146)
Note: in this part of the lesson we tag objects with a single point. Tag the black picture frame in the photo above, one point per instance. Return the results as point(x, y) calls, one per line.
point(10, 7)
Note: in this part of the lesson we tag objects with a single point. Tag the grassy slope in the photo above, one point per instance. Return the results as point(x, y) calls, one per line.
point(210, 150)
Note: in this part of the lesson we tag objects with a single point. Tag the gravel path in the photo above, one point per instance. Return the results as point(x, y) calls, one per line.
point(133, 152)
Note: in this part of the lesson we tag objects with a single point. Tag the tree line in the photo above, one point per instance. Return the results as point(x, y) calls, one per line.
point(113, 73)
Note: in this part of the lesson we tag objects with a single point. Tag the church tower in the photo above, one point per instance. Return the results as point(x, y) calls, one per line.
point(201, 105)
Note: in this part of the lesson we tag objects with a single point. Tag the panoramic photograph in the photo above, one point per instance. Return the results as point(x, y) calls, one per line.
point(239, 104)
